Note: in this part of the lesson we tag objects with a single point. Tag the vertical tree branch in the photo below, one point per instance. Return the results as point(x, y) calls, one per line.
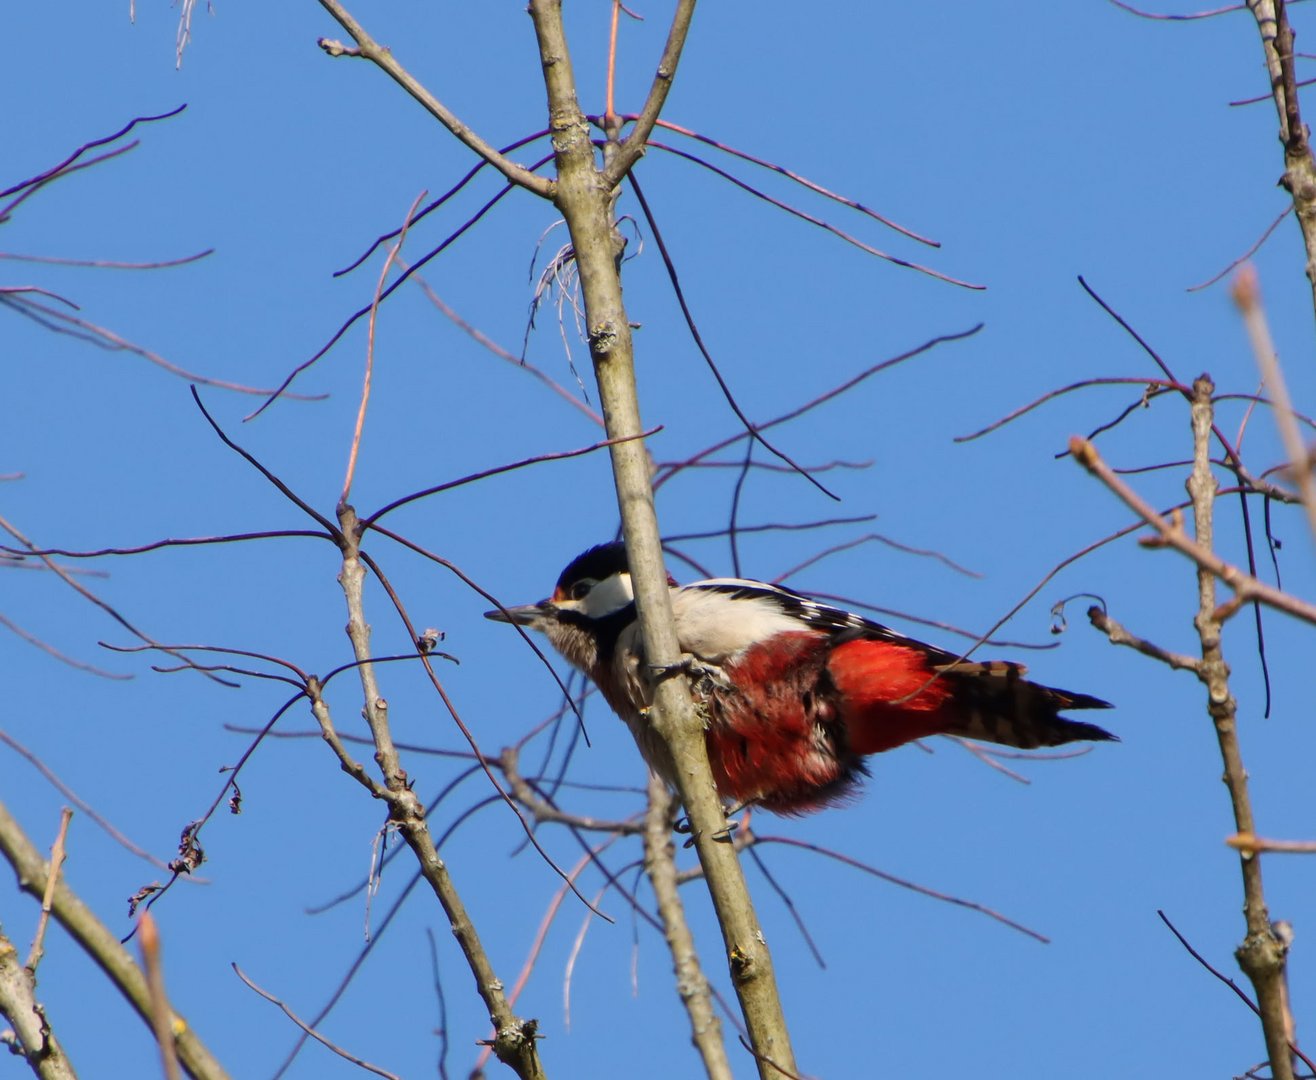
point(586, 200)
point(691, 985)
point(1262, 953)
point(47, 898)
point(515, 1040)
point(1299, 167)
point(632, 147)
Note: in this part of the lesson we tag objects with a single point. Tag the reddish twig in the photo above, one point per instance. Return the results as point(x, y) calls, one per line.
point(1246, 587)
point(370, 348)
point(51, 318)
point(754, 432)
point(497, 470)
point(431, 207)
point(903, 883)
point(1247, 254)
point(803, 181)
point(1176, 18)
point(311, 1031)
point(107, 264)
point(72, 797)
point(50, 650)
point(841, 234)
point(503, 354)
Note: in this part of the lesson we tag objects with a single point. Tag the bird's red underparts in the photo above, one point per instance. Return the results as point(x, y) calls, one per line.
point(776, 743)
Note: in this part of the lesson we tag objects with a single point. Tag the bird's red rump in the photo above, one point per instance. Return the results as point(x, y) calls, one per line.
point(888, 694)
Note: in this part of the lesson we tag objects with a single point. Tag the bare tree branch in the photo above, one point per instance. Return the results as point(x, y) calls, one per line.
point(1171, 534)
point(1262, 954)
point(382, 57)
point(584, 199)
point(99, 944)
point(1299, 167)
point(630, 150)
point(31, 1038)
point(56, 862)
point(691, 983)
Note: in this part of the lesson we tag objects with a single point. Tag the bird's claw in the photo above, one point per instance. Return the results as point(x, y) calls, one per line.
point(704, 678)
point(722, 836)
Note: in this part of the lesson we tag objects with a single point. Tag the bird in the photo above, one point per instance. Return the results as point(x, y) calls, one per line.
point(795, 694)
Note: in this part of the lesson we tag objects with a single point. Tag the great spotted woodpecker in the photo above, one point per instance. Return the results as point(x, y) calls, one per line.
point(794, 693)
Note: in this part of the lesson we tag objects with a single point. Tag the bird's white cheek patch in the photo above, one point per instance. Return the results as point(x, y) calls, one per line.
point(609, 595)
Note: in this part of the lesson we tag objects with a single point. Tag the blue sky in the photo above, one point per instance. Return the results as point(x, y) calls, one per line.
point(1035, 150)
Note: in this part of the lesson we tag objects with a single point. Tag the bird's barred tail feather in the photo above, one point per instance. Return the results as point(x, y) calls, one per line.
point(992, 702)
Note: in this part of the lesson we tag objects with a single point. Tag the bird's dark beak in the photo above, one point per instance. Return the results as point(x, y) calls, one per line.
point(525, 615)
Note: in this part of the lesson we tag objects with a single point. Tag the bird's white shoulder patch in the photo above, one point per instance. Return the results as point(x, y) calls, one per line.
point(714, 624)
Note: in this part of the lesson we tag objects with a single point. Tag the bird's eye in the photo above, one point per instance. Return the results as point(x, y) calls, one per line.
point(581, 589)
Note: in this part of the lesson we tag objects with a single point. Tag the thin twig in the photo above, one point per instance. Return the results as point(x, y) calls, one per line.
point(903, 883)
point(752, 430)
point(560, 455)
point(85, 807)
point(86, 593)
point(1099, 618)
point(826, 226)
point(1247, 295)
point(1246, 587)
point(1176, 18)
point(1249, 845)
point(438, 202)
point(498, 351)
point(382, 57)
point(1051, 395)
point(608, 97)
point(1246, 255)
point(107, 264)
point(370, 348)
point(803, 181)
point(821, 399)
point(60, 321)
point(311, 1031)
point(46, 647)
point(442, 1030)
point(1225, 979)
point(629, 151)
point(63, 166)
point(360, 313)
point(47, 898)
